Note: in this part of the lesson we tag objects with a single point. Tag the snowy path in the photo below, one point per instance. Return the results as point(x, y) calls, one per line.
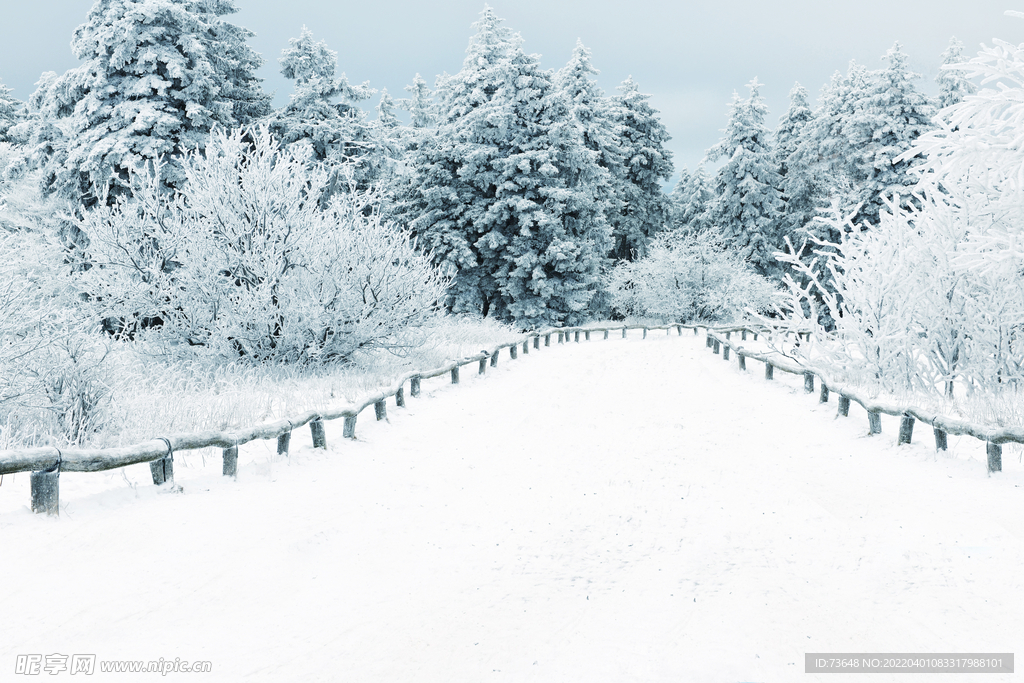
point(603, 511)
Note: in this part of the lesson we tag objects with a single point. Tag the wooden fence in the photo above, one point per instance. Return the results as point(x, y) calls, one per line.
point(942, 425)
point(47, 463)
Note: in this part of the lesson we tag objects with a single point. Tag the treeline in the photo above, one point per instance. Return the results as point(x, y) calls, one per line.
point(524, 186)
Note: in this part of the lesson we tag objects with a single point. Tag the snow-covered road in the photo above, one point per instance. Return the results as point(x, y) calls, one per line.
point(613, 510)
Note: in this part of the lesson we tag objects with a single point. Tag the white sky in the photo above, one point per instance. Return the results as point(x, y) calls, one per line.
point(689, 56)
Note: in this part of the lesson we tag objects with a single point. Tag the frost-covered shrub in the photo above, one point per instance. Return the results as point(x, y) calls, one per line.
point(260, 255)
point(688, 277)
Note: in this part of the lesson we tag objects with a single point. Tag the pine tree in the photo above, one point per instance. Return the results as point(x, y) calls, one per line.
point(748, 204)
point(798, 186)
point(954, 85)
point(10, 111)
point(503, 193)
point(890, 116)
point(420, 105)
point(644, 208)
point(157, 76)
point(336, 131)
point(691, 199)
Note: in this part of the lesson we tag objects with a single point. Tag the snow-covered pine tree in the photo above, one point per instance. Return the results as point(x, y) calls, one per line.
point(690, 201)
point(504, 193)
point(954, 85)
point(10, 109)
point(644, 208)
point(157, 76)
point(798, 186)
point(748, 205)
point(336, 132)
point(886, 121)
point(420, 105)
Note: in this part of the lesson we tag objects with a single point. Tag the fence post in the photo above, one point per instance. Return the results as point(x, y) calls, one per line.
point(743, 361)
point(769, 370)
point(483, 366)
point(695, 331)
point(316, 428)
point(162, 469)
point(728, 335)
point(623, 332)
point(526, 346)
point(645, 333)
point(844, 406)
point(230, 455)
point(536, 342)
point(414, 386)
point(743, 335)
point(350, 427)
point(561, 337)
point(494, 358)
point(940, 438)
point(995, 457)
point(755, 336)
point(283, 442)
point(400, 397)
point(679, 330)
point(455, 372)
point(606, 334)
point(808, 382)
point(513, 351)
point(906, 430)
point(708, 341)
point(46, 491)
point(547, 340)
point(823, 394)
point(586, 335)
point(725, 352)
point(380, 409)
point(874, 422)
point(576, 336)
point(718, 346)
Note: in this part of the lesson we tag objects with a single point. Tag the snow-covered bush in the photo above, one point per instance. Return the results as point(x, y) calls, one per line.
point(689, 277)
point(259, 255)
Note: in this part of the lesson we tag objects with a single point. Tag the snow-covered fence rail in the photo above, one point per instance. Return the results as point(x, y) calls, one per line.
point(942, 425)
point(46, 463)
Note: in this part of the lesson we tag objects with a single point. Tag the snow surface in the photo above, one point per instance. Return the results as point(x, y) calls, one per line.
point(614, 510)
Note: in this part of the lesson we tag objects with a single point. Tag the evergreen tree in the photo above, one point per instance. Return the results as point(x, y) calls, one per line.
point(954, 85)
point(644, 208)
point(798, 186)
point(747, 204)
point(886, 121)
point(504, 193)
point(157, 76)
point(420, 105)
point(10, 111)
point(691, 199)
point(336, 131)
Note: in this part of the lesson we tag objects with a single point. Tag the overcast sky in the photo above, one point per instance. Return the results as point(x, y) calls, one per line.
point(690, 56)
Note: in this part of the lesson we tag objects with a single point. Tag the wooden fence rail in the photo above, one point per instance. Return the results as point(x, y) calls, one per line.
point(942, 425)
